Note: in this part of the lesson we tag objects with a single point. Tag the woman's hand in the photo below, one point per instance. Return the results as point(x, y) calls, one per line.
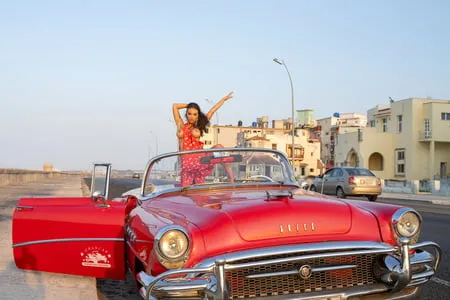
point(229, 96)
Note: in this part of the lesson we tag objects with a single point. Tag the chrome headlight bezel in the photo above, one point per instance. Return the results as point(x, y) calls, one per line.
point(398, 219)
point(163, 258)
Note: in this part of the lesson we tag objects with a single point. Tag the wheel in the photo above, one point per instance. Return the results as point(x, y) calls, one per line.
point(340, 193)
point(372, 198)
point(313, 188)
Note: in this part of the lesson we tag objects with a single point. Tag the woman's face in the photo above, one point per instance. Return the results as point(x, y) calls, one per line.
point(192, 115)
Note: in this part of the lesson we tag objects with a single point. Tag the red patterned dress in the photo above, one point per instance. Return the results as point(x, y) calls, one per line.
point(192, 172)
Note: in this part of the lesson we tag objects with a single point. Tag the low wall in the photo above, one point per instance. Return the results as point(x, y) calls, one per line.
point(434, 187)
point(17, 176)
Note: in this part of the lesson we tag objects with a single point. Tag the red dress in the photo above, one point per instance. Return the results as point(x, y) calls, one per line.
point(192, 172)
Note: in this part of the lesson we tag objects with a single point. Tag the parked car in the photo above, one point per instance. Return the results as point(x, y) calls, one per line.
point(136, 176)
point(348, 181)
point(240, 227)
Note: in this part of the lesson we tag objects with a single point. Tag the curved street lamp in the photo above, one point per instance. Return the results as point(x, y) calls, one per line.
point(281, 62)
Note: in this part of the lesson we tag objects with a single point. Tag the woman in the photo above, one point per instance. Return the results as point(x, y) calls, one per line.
point(188, 135)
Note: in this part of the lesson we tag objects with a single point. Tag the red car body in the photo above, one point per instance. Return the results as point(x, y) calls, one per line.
point(249, 239)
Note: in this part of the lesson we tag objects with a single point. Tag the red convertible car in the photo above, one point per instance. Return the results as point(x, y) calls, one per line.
point(227, 223)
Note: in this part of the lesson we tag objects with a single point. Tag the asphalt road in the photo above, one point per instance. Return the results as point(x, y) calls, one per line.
point(436, 220)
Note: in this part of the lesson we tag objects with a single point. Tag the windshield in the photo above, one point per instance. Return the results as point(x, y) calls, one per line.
point(218, 166)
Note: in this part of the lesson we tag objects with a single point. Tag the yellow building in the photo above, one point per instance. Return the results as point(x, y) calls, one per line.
point(408, 139)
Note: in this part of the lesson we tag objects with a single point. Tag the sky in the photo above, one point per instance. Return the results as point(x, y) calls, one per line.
point(89, 81)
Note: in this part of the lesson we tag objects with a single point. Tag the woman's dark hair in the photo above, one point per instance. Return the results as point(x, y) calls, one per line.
point(202, 119)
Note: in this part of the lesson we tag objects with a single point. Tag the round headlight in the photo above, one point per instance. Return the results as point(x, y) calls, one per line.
point(407, 224)
point(173, 244)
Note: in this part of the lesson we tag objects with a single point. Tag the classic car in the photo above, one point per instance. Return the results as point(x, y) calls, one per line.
point(231, 224)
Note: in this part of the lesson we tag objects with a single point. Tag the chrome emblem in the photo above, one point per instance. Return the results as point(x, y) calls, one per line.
point(305, 271)
point(297, 227)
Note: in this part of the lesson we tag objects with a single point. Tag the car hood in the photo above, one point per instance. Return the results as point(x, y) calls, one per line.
point(249, 216)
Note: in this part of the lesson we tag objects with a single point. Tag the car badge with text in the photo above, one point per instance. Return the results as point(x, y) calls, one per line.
point(297, 227)
point(305, 271)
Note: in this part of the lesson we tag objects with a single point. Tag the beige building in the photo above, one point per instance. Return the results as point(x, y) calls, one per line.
point(278, 137)
point(408, 139)
point(328, 128)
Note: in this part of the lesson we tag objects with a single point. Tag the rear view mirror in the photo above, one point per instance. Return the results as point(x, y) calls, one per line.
point(206, 160)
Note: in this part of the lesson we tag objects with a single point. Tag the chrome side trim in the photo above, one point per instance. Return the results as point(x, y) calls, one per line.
point(296, 272)
point(67, 241)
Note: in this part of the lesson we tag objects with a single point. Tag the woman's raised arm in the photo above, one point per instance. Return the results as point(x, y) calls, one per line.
point(176, 114)
point(218, 105)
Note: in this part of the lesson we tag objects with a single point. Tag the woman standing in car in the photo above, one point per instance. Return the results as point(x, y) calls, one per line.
point(189, 134)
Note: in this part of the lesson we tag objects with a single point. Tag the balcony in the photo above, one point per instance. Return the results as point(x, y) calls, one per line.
point(425, 136)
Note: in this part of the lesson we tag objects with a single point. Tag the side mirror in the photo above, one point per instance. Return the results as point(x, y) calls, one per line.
point(99, 199)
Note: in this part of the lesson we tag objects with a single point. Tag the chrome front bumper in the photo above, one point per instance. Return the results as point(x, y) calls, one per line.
point(398, 273)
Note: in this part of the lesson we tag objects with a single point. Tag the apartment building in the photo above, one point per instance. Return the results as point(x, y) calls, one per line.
point(328, 128)
point(408, 139)
point(278, 136)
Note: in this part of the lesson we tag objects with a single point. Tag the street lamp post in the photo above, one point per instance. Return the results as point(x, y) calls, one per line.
point(156, 139)
point(281, 62)
point(216, 139)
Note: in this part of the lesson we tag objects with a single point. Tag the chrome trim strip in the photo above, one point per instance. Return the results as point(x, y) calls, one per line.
point(293, 249)
point(304, 257)
point(296, 272)
point(24, 206)
point(67, 241)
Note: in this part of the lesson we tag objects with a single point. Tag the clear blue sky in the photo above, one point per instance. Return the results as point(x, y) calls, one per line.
point(84, 81)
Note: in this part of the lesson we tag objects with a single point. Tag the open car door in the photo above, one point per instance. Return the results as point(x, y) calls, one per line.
point(80, 236)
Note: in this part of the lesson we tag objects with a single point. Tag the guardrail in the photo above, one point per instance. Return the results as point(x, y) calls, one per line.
point(17, 176)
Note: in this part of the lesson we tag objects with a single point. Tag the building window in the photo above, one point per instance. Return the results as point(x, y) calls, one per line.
point(311, 170)
point(399, 123)
point(312, 154)
point(400, 162)
point(427, 128)
point(249, 145)
point(372, 123)
point(385, 125)
point(274, 146)
point(445, 116)
point(303, 171)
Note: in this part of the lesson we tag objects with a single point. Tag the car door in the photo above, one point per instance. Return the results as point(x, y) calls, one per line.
point(326, 181)
point(72, 235)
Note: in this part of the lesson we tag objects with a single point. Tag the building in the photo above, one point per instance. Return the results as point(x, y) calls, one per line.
point(278, 136)
point(408, 139)
point(328, 128)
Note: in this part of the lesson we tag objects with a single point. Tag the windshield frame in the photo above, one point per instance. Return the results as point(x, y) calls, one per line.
point(284, 163)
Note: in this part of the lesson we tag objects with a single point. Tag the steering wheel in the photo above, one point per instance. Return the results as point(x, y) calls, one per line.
point(267, 178)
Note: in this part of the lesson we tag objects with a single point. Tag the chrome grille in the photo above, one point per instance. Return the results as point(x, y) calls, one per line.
point(242, 287)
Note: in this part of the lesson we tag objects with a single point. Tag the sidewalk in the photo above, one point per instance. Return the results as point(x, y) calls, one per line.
point(417, 197)
point(18, 284)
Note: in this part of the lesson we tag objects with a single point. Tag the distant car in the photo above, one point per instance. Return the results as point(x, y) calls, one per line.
point(348, 181)
point(136, 176)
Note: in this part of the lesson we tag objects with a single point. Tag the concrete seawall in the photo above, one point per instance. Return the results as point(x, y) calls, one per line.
point(18, 176)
